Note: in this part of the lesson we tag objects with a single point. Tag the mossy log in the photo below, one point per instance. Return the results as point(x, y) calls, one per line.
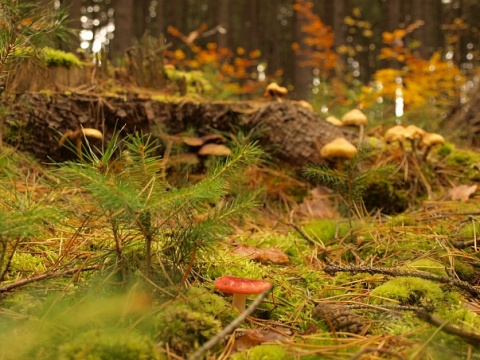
point(288, 131)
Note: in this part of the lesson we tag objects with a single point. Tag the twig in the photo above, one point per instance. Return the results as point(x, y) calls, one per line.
point(303, 233)
point(463, 244)
point(230, 327)
point(332, 269)
point(359, 353)
point(45, 276)
point(470, 337)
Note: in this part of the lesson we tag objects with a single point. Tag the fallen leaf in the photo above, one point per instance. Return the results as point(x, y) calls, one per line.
point(271, 254)
point(462, 192)
point(248, 338)
point(318, 204)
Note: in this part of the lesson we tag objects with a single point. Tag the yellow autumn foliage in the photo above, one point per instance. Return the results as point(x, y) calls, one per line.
point(423, 81)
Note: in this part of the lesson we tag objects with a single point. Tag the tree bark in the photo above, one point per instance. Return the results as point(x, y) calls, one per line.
point(418, 12)
point(393, 19)
point(292, 133)
point(141, 18)
point(303, 74)
point(223, 20)
point(123, 34)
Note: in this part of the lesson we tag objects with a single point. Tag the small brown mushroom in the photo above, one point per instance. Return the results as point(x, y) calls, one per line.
point(356, 117)
point(78, 136)
point(275, 91)
point(214, 138)
point(240, 288)
point(334, 120)
point(305, 104)
point(338, 150)
point(215, 150)
point(193, 141)
point(394, 134)
point(428, 141)
point(414, 134)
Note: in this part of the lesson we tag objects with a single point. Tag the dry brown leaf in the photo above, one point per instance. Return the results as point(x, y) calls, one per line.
point(318, 204)
point(252, 337)
point(462, 192)
point(271, 254)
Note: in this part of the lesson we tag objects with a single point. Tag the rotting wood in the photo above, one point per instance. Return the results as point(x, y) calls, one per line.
point(287, 131)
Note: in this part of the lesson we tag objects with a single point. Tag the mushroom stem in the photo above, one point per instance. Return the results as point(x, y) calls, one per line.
point(239, 301)
point(425, 154)
point(360, 136)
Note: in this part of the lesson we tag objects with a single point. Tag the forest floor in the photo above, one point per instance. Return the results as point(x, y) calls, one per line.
point(77, 283)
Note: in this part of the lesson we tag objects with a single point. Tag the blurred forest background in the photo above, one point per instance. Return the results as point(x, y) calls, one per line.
point(394, 55)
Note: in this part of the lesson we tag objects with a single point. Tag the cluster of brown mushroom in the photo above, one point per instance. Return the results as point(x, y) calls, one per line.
point(200, 147)
point(418, 138)
point(353, 117)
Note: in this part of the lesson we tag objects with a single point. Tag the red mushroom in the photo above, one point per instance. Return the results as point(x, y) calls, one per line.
point(240, 288)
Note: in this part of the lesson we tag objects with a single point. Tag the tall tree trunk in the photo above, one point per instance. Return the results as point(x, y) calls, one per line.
point(271, 35)
point(418, 12)
point(433, 26)
point(223, 20)
point(393, 19)
point(252, 9)
point(141, 18)
point(303, 74)
point(123, 35)
point(158, 22)
point(338, 27)
point(74, 8)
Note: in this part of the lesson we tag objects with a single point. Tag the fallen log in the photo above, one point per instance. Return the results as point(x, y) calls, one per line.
point(288, 131)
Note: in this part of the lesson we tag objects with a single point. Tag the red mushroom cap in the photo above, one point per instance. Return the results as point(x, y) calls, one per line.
point(236, 285)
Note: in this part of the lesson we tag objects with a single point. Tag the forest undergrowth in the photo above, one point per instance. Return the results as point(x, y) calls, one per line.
point(114, 257)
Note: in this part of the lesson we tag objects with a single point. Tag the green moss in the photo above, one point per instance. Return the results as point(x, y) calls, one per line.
point(401, 220)
point(106, 344)
point(408, 291)
point(468, 231)
point(225, 262)
point(462, 158)
point(445, 149)
point(51, 56)
point(27, 263)
point(341, 281)
point(202, 300)
point(263, 352)
point(183, 329)
point(431, 266)
point(465, 271)
point(326, 230)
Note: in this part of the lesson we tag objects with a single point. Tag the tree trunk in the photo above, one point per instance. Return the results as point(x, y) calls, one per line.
point(464, 120)
point(223, 20)
point(338, 26)
point(123, 35)
point(141, 18)
point(292, 133)
point(418, 12)
point(303, 75)
point(393, 19)
point(251, 15)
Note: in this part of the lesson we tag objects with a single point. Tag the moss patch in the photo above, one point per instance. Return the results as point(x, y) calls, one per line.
point(408, 291)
